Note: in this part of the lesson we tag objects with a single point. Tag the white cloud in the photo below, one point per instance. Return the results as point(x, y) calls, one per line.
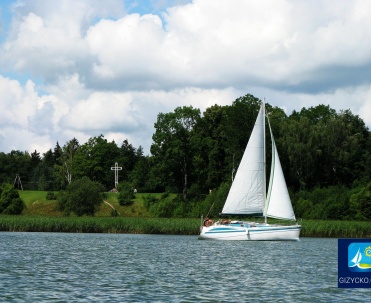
point(208, 43)
point(16, 102)
point(25, 120)
point(131, 115)
point(96, 69)
point(102, 112)
point(47, 37)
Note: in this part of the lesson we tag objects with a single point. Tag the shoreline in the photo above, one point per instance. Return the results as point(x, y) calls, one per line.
point(165, 226)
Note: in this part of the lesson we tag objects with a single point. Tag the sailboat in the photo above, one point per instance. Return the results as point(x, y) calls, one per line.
point(357, 259)
point(248, 197)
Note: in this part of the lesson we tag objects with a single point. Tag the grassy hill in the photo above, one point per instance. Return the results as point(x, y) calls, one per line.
point(37, 204)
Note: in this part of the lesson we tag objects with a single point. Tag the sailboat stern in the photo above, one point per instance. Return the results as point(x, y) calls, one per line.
point(269, 232)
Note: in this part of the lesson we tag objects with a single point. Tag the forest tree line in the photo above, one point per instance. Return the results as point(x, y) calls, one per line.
point(325, 157)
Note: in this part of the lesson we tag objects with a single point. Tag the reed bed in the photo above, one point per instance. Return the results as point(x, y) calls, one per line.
point(137, 225)
point(132, 225)
point(335, 229)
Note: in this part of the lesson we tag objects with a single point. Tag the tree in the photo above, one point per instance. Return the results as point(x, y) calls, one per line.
point(324, 148)
point(57, 153)
point(83, 197)
point(128, 158)
point(64, 159)
point(94, 160)
point(210, 146)
point(35, 159)
point(172, 147)
point(18, 162)
point(299, 145)
point(10, 202)
point(139, 176)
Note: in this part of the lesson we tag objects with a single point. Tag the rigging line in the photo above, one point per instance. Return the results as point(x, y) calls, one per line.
point(210, 209)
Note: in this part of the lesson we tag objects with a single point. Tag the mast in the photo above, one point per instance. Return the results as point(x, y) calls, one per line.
point(265, 163)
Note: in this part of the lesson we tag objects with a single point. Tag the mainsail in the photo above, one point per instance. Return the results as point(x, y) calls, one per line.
point(247, 193)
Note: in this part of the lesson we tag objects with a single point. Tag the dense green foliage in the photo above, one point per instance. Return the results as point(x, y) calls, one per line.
point(325, 157)
point(82, 197)
point(10, 202)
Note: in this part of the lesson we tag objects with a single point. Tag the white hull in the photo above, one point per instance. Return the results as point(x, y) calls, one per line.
point(244, 232)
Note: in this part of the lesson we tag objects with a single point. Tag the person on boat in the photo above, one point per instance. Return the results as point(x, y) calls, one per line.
point(208, 222)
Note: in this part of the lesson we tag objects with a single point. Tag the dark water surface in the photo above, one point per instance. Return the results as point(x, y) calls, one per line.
point(57, 267)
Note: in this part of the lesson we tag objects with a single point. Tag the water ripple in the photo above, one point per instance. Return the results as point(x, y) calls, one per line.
point(53, 267)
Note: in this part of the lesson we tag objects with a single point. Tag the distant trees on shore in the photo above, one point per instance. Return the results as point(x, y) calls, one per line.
point(193, 153)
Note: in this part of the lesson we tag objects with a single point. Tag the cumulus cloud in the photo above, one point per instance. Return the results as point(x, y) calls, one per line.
point(205, 43)
point(97, 68)
point(20, 106)
point(103, 112)
point(47, 38)
point(16, 102)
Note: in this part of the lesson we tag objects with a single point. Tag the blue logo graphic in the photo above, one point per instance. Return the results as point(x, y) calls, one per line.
point(354, 263)
point(359, 257)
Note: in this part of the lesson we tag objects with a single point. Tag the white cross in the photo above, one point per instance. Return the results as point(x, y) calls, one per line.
point(116, 168)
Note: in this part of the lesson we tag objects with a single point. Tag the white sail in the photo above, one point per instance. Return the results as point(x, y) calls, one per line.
point(278, 203)
point(247, 193)
point(357, 258)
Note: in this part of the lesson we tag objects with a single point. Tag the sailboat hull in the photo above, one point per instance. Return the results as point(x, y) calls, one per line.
point(262, 232)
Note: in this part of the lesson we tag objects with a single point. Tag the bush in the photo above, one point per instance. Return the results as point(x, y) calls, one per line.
point(15, 207)
point(163, 208)
point(214, 202)
point(10, 203)
point(149, 201)
point(323, 203)
point(361, 203)
point(126, 194)
point(51, 196)
point(83, 197)
point(114, 213)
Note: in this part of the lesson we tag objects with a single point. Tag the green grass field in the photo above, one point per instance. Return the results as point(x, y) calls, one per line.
point(38, 205)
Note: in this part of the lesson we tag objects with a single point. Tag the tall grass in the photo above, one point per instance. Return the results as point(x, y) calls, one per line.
point(136, 225)
point(99, 225)
point(336, 229)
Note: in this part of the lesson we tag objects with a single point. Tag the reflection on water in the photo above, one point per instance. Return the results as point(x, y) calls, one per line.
point(54, 267)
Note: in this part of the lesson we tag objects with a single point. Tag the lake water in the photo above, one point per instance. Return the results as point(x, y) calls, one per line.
point(57, 267)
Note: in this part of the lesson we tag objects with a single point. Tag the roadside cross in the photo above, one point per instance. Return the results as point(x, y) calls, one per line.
point(116, 168)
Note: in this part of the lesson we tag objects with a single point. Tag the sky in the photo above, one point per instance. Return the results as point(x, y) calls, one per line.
point(82, 68)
